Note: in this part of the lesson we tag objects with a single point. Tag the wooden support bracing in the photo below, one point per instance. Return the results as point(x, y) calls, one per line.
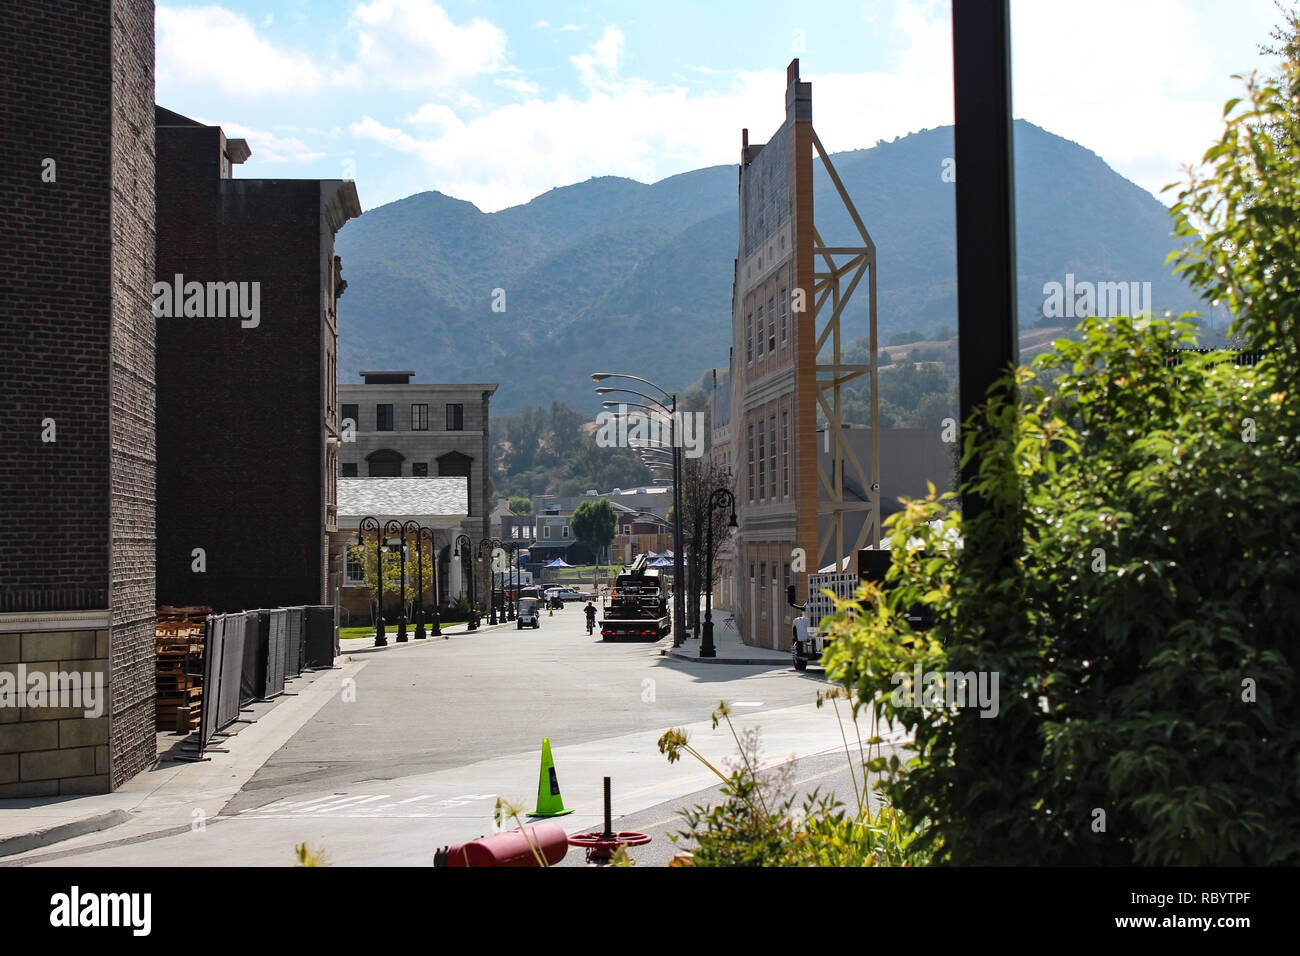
point(843, 263)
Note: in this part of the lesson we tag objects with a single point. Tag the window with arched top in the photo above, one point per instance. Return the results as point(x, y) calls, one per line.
point(384, 463)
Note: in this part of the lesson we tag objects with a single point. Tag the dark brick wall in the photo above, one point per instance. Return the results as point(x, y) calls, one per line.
point(240, 414)
point(76, 337)
point(132, 741)
point(54, 305)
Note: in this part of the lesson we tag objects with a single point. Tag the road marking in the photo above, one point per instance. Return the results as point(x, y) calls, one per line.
point(748, 703)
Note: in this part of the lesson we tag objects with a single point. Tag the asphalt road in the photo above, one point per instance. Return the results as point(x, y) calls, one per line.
point(414, 755)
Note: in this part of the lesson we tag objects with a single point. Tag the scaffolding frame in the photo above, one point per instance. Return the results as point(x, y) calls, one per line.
point(834, 285)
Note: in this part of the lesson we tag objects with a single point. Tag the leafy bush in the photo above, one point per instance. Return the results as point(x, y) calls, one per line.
point(1145, 631)
point(761, 823)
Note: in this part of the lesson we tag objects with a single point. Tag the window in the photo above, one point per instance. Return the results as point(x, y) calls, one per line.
point(785, 453)
point(565, 531)
point(627, 529)
point(762, 587)
point(771, 324)
point(749, 472)
point(751, 572)
point(786, 579)
point(749, 337)
point(351, 414)
point(760, 330)
point(383, 418)
point(419, 418)
point(771, 451)
point(455, 418)
point(762, 461)
point(546, 531)
point(785, 303)
point(420, 469)
point(354, 573)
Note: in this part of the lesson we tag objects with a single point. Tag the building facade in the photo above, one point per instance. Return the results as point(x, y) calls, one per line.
point(396, 428)
point(772, 414)
point(78, 471)
point(248, 436)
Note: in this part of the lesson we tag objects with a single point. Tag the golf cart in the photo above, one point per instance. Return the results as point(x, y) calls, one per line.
point(527, 613)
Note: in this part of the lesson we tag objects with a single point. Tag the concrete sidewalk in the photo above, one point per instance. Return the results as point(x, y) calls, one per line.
point(729, 647)
point(174, 794)
point(366, 645)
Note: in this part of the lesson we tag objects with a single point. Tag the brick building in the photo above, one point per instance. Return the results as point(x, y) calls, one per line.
point(247, 282)
point(77, 387)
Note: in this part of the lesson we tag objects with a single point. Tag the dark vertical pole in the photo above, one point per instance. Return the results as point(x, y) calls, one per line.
point(986, 234)
point(679, 578)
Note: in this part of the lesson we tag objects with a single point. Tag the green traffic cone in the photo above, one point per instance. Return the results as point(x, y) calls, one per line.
point(549, 803)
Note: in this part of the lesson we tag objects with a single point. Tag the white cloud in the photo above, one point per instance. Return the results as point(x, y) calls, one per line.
point(414, 43)
point(211, 46)
point(518, 85)
point(1139, 83)
point(269, 147)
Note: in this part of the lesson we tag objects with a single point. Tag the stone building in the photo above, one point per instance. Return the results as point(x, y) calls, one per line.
point(396, 428)
point(77, 474)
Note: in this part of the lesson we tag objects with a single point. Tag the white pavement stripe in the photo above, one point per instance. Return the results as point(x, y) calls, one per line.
point(338, 804)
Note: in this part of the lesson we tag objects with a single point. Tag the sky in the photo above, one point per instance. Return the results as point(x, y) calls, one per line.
point(498, 102)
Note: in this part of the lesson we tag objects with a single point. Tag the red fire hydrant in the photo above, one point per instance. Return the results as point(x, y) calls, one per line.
point(511, 848)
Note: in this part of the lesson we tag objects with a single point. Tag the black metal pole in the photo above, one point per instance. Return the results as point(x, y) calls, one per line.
point(435, 626)
point(397, 528)
point(369, 523)
point(985, 205)
point(679, 585)
point(466, 556)
point(419, 576)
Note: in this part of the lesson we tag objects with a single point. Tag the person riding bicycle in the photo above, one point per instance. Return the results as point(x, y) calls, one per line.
point(590, 611)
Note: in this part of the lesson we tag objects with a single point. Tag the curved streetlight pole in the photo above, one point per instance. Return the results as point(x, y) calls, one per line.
point(679, 571)
point(393, 526)
point(414, 527)
point(492, 544)
point(464, 551)
point(720, 498)
point(435, 626)
point(372, 524)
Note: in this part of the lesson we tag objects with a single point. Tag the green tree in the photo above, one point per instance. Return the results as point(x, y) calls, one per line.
point(593, 524)
point(521, 505)
point(1144, 639)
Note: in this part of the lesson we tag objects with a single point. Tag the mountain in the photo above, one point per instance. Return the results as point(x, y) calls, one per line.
point(620, 275)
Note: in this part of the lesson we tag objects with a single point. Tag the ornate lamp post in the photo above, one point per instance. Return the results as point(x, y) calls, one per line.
point(435, 626)
point(721, 497)
point(393, 526)
point(492, 544)
point(512, 550)
point(415, 528)
point(464, 551)
point(372, 524)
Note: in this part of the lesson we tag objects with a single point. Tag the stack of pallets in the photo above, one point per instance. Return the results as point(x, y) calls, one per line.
point(178, 635)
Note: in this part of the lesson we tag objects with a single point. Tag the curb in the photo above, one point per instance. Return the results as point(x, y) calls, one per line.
point(22, 842)
point(726, 660)
point(412, 642)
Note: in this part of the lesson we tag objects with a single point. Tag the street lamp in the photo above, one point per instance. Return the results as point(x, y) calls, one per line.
point(492, 545)
point(372, 524)
point(414, 527)
point(393, 526)
point(679, 576)
point(719, 498)
point(512, 549)
point(464, 551)
point(435, 626)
